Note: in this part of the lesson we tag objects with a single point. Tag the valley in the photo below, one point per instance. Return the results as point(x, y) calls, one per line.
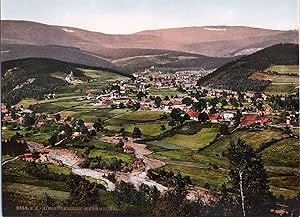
point(191, 121)
point(112, 107)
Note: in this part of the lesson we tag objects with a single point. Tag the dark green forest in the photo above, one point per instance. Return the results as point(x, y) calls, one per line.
point(235, 75)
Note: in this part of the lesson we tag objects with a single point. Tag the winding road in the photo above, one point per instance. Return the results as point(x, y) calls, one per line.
point(10, 160)
point(137, 177)
point(140, 150)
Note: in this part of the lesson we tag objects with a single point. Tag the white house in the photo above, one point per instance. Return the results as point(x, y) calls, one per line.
point(228, 116)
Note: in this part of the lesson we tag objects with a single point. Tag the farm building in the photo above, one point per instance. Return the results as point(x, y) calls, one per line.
point(4, 108)
point(250, 119)
point(215, 118)
point(128, 149)
point(193, 115)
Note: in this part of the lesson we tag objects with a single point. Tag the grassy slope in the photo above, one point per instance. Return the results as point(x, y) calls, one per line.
point(253, 138)
point(284, 69)
point(26, 186)
point(36, 191)
point(201, 177)
point(66, 102)
point(147, 129)
point(236, 74)
point(200, 139)
point(283, 83)
point(141, 116)
point(282, 153)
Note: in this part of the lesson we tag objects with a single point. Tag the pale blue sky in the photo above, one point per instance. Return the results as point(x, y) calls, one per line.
point(128, 16)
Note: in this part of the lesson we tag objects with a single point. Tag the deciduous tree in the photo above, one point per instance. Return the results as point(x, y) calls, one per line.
point(249, 179)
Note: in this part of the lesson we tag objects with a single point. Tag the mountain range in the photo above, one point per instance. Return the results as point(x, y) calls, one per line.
point(235, 52)
point(217, 41)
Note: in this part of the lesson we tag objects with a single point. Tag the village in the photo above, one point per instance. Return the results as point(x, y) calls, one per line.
point(201, 104)
point(218, 105)
point(194, 104)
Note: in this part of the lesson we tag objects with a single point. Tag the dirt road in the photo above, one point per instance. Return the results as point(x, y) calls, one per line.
point(140, 151)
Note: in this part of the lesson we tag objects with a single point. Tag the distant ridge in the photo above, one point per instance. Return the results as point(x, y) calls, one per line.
point(218, 41)
point(61, 53)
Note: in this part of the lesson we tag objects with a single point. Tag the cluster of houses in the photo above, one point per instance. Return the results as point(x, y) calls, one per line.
point(166, 105)
point(40, 158)
point(138, 163)
point(14, 114)
point(188, 79)
point(165, 81)
point(7, 116)
point(213, 92)
point(247, 118)
point(158, 79)
point(116, 96)
point(17, 115)
point(55, 156)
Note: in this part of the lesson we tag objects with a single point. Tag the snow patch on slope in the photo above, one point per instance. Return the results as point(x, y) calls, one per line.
point(67, 30)
point(247, 51)
point(214, 29)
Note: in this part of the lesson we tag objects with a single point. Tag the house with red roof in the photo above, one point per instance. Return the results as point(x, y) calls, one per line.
point(146, 104)
point(90, 95)
point(4, 108)
point(264, 120)
point(176, 103)
point(164, 102)
point(106, 101)
point(7, 117)
point(249, 119)
point(215, 118)
point(27, 157)
point(193, 115)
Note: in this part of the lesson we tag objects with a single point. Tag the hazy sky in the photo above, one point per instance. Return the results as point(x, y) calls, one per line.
point(128, 16)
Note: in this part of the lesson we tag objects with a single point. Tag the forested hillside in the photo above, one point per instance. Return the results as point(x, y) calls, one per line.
point(31, 77)
point(235, 75)
point(123, 61)
point(171, 61)
point(61, 53)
